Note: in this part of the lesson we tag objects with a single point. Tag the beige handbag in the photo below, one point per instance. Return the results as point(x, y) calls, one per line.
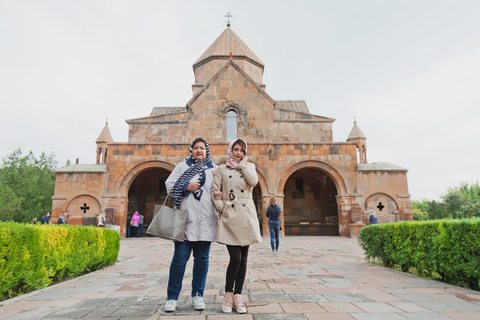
point(168, 223)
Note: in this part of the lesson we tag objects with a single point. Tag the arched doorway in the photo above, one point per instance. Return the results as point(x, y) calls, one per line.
point(310, 205)
point(147, 190)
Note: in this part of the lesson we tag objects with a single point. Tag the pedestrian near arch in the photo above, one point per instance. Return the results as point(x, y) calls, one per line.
point(273, 215)
point(372, 219)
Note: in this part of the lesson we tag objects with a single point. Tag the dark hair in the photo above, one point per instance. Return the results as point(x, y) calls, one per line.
point(199, 139)
point(241, 144)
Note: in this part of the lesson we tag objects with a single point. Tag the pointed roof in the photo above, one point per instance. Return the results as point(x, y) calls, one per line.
point(356, 132)
point(228, 42)
point(222, 70)
point(105, 135)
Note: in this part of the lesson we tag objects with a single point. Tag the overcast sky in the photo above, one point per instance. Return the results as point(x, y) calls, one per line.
point(409, 71)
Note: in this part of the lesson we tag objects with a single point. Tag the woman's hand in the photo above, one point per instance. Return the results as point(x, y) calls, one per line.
point(217, 195)
point(193, 186)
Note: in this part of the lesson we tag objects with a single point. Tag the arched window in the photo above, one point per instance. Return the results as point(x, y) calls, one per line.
point(231, 125)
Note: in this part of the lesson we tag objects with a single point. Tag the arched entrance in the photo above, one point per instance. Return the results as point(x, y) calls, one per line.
point(310, 205)
point(147, 190)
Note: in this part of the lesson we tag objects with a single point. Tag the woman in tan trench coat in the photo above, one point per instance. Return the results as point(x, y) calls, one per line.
point(238, 226)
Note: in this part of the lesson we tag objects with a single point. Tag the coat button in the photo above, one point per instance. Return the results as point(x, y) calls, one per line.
point(231, 190)
point(229, 176)
point(242, 190)
point(233, 205)
point(243, 205)
point(240, 176)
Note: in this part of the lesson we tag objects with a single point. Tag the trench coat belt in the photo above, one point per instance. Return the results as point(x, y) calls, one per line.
point(244, 197)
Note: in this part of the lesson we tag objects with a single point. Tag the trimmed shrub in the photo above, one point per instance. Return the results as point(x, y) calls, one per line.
point(32, 256)
point(448, 250)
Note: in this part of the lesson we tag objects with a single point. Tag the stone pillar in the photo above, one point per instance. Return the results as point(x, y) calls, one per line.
point(345, 203)
point(99, 152)
point(118, 207)
point(405, 207)
point(357, 221)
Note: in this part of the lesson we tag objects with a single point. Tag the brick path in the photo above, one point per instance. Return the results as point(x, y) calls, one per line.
point(310, 278)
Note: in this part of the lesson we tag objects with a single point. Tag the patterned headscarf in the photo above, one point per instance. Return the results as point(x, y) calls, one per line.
point(194, 168)
point(231, 162)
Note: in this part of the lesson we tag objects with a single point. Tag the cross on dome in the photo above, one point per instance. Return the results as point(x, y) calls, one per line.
point(228, 16)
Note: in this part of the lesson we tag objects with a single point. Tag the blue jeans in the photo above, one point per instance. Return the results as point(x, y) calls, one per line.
point(140, 230)
point(201, 251)
point(274, 235)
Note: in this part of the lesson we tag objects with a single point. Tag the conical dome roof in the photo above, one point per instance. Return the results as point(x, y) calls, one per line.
point(228, 42)
point(105, 135)
point(356, 132)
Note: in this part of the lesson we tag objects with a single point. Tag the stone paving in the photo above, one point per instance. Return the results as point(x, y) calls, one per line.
point(309, 278)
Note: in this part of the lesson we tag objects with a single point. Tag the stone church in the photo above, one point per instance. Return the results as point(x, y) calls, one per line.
point(324, 187)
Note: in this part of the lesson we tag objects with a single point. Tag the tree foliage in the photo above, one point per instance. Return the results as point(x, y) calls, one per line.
point(27, 185)
point(461, 202)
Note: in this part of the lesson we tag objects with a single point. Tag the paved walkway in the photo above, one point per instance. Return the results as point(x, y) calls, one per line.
point(310, 278)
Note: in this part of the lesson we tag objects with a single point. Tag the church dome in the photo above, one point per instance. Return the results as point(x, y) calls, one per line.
point(228, 42)
point(228, 46)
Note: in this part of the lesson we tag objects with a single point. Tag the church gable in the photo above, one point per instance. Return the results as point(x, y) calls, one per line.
point(231, 89)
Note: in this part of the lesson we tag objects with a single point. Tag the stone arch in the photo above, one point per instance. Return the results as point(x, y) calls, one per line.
point(84, 217)
point(385, 206)
point(83, 194)
point(315, 209)
point(132, 172)
point(379, 195)
point(242, 113)
point(330, 171)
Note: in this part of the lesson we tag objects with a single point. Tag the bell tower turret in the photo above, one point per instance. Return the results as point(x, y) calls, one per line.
point(103, 140)
point(357, 136)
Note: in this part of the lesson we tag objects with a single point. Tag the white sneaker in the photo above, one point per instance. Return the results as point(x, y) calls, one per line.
point(198, 303)
point(170, 305)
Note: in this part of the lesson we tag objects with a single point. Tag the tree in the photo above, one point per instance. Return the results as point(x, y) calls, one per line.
point(9, 203)
point(458, 203)
point(27, 184)
point(468, 191)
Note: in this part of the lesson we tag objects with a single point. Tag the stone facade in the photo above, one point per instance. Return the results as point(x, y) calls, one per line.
point(324, 187)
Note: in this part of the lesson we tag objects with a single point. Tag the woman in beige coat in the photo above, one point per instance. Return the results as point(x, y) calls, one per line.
point(238, 226)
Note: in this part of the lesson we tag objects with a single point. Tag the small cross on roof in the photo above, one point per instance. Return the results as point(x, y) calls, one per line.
point(228, 16)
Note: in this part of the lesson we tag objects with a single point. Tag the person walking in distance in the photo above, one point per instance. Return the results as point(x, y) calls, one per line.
point(273, 215)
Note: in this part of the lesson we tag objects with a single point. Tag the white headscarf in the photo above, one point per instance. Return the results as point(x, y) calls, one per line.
point(231, 162)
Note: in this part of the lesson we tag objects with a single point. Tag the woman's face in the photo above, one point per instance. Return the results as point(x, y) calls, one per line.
point(199, 151)
point(237, 152)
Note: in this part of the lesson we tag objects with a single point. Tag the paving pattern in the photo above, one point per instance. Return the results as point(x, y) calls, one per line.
point(309, 278)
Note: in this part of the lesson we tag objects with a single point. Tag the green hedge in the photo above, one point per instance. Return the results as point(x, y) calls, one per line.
point(32, 256)
point(448, 250)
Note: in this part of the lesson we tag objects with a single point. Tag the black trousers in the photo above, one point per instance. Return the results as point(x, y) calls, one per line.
point(133, 232)
point(237, 269)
